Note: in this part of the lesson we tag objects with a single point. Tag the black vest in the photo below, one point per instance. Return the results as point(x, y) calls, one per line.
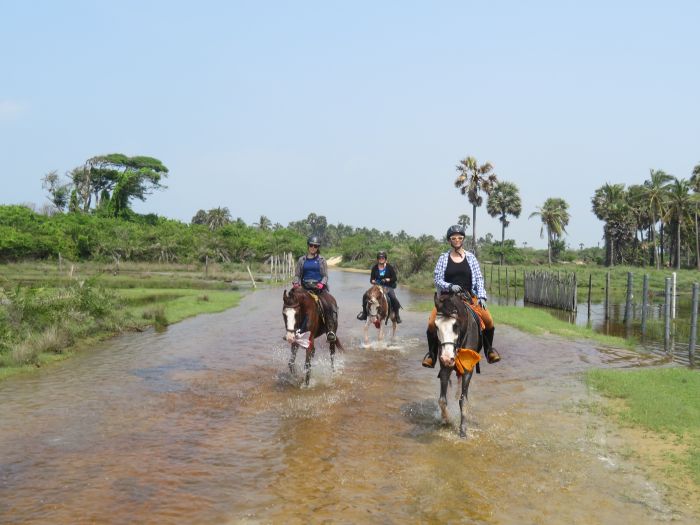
point(459, 273)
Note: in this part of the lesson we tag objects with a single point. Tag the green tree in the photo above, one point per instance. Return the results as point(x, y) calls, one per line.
point(503, 201)
point(680, 205)
point(218, 217)
point(263, 224)
point(656, 194)
point(555, 217)
point(610, 206)
point(695, 184)
point(472, 179)
point(58, 193)
point(464, 221)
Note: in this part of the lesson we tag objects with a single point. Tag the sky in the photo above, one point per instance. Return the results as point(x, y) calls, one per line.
point(359, 111)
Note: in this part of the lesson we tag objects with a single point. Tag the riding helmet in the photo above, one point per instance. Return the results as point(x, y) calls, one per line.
point(313, 239)
point(381, 253)
point(455, 228)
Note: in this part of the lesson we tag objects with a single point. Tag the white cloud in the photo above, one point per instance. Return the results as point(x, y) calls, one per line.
point(10, 109)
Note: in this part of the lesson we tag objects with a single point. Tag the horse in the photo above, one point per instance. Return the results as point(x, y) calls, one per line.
point(459, 335)
point(303, 313)
point(376, 304)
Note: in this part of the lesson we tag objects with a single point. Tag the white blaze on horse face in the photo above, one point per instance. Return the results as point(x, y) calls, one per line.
point(373, 307)
point(289, 320)
point(446, 334)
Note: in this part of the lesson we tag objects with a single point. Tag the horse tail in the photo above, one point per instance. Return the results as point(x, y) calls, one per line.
point(339, 345)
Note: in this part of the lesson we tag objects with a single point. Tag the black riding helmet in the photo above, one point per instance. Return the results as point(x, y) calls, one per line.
point(313, 239)
point(455, 228)
point(381, 253)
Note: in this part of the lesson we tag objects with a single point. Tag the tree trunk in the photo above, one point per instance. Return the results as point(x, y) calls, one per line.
point(549, 246)
point(503, 236)
point(474, 229)
point(697, 240)
point(661, 243)
point(678, 245)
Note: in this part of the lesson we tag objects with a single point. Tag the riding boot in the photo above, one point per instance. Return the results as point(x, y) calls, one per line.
point(492, 356)
point(332, 317)
point(362, 316)
point(433, 342)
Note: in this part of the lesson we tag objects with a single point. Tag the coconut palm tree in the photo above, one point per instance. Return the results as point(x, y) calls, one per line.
point(504, 200)
point(263, 224)
point(464, 221)
point(680, 205)
point(555, 218)
point(656, 192)
point(610, 206)
point(695, 184)
point(218, 217)
point(471, 181)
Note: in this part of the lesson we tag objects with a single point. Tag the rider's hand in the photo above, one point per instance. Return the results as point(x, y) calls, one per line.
point(387, 280)
point(319, 286)
point(455, 288)
point(482, 303)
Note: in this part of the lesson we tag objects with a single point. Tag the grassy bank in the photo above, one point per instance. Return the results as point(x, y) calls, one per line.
point(662, 401)
point(46, 315)
point(538, 322)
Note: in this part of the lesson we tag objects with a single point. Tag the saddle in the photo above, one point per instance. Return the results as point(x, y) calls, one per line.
point(319, 305)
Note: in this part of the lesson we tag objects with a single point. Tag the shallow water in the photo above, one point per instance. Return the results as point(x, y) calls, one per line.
point(204, 424)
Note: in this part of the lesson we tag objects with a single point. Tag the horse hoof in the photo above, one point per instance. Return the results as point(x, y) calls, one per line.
point(462, 434)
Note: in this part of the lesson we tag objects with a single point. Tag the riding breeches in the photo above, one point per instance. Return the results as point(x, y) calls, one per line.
point(483, 314)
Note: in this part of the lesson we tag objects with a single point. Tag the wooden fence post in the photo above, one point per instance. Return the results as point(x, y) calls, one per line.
point(693, 325)
point(628, 300)
point(607, 295)
point(590, 282)
point(645, 300)
point(667, 314)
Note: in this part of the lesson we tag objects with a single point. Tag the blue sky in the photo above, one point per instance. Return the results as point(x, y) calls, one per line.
point(355, 110)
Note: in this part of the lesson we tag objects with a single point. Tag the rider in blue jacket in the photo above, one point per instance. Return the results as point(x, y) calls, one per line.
point(312, 274)
point(384, 275)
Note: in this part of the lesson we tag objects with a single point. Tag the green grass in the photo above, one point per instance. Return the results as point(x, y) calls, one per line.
point(538, 322)
point(46, 315)
point(660, 400)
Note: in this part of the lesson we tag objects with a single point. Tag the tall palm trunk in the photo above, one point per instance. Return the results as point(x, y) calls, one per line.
point(503, 237)
point(549, 245)
point(697, 240)
point(678, 245)
point(653, 243)
point(474, 229)
point(661, 243)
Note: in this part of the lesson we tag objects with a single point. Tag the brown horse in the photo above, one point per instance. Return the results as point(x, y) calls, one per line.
point(376, 304)
point(460, 341)
point(305, 320)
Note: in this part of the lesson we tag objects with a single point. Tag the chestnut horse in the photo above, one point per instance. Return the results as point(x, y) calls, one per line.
point(457, 330)
point(376, 304)
point(304, 322)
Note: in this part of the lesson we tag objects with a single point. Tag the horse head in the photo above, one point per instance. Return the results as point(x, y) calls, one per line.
point(291, 313)
point(376, 301)
point(451, 322)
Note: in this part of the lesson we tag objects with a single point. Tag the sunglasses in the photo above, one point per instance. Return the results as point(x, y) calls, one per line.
point(456, 238)
point(314, 245)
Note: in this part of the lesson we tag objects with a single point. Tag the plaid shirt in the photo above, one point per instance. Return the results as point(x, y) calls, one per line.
point(478, 288)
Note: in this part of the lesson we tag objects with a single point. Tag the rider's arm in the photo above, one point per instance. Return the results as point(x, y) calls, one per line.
point(373, 274)
point(391, 275)
point(440, 267)
point(299, 272)
point(477, 279)
point(324, 270)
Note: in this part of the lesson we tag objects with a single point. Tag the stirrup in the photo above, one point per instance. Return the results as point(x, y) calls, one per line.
point(428, 361)
point(492, 356)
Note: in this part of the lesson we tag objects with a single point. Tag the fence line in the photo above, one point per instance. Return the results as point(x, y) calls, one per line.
point(551, 289)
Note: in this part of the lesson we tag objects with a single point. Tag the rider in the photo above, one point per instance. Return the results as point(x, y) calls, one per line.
point(457, 271)
point(312, 274)
point(384, 275)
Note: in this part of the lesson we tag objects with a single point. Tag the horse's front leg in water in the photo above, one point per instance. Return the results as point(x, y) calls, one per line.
point(307, 363)
point(466, 379)
point(444, 382)
point(293, 358)
point(332, 357)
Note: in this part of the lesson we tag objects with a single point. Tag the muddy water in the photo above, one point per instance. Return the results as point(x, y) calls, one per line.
point(203, 424)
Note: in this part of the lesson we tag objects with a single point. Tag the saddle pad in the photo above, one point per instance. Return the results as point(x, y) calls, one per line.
point(466, 360)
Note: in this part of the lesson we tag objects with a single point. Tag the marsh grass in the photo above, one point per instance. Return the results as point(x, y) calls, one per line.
point(664, 401)
point(43, 318)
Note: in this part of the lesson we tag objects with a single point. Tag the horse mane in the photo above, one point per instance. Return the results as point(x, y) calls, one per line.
point(451, 305)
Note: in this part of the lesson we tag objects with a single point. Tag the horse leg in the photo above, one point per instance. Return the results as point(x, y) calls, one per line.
point(332, 357)
point(393, 331)
point(466, 379)
point(293, 358)
point(307, 363)
point(380, 337)
point(444, 382)
point(367, 332)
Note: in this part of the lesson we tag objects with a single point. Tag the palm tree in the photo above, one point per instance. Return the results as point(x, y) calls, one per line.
point(680, 205)
point(504, 200)
point(695, 184)
point(464, 221)
point(555, 218)
point(218, 217)
point(471, 181)
point(263, 224)
point(610, 206)
point(656, 191)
